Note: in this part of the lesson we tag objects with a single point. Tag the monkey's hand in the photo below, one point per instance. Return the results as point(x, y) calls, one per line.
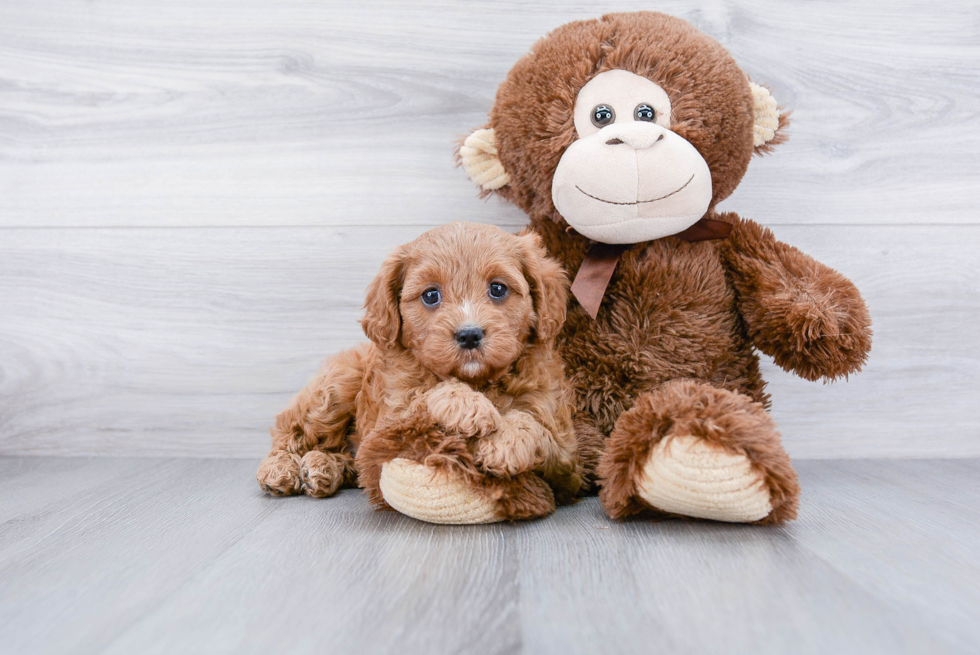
point(519, 444)
point(808, 317)
point(457, 407)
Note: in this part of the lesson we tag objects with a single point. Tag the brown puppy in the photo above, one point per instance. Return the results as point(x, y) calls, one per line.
point(461, 375)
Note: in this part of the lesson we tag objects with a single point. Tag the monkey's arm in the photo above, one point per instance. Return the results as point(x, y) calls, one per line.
point(808, 317)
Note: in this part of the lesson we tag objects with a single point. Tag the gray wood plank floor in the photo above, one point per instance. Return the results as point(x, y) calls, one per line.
point(187, 556)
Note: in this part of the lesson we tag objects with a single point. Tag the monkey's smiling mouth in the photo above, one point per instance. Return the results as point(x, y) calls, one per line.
point(638, 202)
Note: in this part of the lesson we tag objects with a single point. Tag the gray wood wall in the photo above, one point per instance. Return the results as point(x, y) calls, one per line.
point(194, 194)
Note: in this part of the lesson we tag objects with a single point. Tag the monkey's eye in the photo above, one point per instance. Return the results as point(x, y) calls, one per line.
point(431, 297)
point(644, 112)
point(498, 290)
point(603, 115)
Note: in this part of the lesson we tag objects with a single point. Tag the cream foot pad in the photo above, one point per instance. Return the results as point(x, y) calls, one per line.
point(433, 496)
point(689, 476)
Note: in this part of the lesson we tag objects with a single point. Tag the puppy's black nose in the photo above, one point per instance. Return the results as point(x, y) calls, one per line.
point(469, 337)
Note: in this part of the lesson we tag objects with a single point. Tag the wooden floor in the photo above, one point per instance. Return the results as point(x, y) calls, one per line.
point(187, 556)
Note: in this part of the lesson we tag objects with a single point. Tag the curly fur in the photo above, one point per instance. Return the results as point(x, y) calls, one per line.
point(418, 438)
point(499, 416)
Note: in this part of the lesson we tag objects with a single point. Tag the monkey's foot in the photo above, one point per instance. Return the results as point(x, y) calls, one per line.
point(693, 477)
point(433, 495)
point(694, 450)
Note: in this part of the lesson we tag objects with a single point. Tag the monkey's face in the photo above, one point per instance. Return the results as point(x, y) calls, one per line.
point(629, 127)
point(628, 177)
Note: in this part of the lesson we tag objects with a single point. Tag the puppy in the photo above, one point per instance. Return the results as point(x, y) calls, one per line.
point(460, 376)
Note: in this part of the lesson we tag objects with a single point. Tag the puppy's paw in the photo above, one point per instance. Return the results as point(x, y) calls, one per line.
point(279, 474)
point(455, 406)
point(520, 444)
point(322, 473)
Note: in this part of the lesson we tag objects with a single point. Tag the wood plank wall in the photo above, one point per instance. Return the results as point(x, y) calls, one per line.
point(194, 194)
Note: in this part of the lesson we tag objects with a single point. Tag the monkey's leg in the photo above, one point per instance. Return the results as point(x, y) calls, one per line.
point(309, 437)
point(591, 443)
point(437, 496)
point(411, 464)
point(690, 449)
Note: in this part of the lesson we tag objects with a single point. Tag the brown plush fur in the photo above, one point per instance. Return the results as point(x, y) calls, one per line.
point(675, 310)
point(689, 407)
point(499, 416)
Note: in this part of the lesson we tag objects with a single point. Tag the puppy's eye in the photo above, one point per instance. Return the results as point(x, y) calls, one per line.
point(498, 290)
point(603, 115)
point(431, 297)
point(644, 112)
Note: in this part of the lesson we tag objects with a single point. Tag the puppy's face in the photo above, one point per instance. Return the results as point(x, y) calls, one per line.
point(465, 306)
point(469, 299)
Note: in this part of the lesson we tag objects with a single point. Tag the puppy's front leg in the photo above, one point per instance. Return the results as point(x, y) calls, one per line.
point(456, 406)
point(520, 444)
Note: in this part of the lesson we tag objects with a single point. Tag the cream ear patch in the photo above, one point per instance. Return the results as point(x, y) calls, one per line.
point(766, 115)
point(480, 160)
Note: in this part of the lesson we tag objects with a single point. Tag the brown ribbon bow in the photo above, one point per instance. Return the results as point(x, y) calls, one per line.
point(599, 264)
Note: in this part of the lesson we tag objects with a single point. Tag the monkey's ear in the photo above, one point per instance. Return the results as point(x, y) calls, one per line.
point(382, 320)
point(549, 287)
point(769, 127)
point(480, 160)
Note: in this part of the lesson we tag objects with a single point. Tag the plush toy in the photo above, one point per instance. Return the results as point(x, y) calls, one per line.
point(458, 410)
point(618, 137)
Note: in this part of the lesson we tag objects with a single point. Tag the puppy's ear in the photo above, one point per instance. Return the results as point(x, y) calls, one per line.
point(549, 287)
point(382, 322)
